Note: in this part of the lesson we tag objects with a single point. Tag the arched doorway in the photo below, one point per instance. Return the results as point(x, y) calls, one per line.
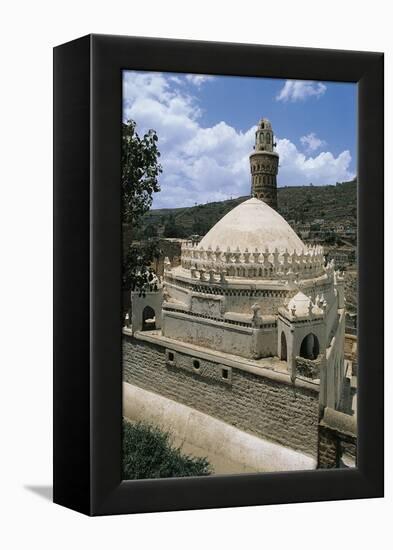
point(309, 348)
point(283, 355)
point(148, 318)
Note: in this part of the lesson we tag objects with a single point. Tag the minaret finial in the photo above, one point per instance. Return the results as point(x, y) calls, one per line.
point(264, 165)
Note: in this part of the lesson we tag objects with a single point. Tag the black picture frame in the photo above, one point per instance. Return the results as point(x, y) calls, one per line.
point(87, 274)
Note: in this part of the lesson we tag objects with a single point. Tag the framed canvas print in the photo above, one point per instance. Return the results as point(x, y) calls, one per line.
point(218, 275)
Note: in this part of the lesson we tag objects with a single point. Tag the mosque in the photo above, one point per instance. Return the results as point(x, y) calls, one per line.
point(241, 349)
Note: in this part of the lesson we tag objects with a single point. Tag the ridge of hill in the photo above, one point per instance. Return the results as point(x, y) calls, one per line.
point(298, 205)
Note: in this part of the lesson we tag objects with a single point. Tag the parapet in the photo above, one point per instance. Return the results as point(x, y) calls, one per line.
point(267, 264)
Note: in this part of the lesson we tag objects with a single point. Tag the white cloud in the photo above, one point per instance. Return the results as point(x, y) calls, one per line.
point(199, 164)
point(176, 79)
point(300, 90)
point(312, 142)
point(204, 164)
point(298, 169)
point(198, 79)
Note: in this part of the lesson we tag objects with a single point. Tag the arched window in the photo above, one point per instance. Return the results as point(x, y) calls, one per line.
point(283, 355)
point(309, 348)
point(267, 138)
point(148, 319)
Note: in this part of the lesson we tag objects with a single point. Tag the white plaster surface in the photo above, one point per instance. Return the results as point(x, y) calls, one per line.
point(252, 224)
point(228, 449)
point(301, 303)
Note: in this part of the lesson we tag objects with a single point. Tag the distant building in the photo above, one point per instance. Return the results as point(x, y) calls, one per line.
point(342, 256)
point(340, 228)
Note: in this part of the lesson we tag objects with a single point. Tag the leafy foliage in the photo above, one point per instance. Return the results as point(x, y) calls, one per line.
point(137, 271)
point(140, 171)
point(148, 454)
point(172, 230)
point(150, 232)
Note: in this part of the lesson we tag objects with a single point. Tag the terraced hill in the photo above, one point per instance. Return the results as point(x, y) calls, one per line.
point(333, 203)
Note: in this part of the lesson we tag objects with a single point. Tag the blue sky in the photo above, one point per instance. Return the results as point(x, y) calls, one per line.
point(206, 125)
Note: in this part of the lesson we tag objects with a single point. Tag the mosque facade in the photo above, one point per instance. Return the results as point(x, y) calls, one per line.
point(249, 329)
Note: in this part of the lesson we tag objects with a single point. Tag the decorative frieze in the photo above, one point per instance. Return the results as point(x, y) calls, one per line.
point(256, 264)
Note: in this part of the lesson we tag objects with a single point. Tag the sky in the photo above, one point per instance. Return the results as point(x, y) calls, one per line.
point(206, 131)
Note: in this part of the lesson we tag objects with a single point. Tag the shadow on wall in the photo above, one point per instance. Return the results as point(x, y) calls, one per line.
point(148, 318)
point(309, 348)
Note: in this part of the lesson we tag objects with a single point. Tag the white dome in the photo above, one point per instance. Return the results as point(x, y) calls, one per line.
point(252, 224)
point(301, 305)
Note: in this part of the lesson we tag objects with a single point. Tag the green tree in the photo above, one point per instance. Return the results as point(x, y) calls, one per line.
point(200, 227)
point(172, 230)
point(138, 273)
point(140, 171)
point(150, 231)
point(139, 175)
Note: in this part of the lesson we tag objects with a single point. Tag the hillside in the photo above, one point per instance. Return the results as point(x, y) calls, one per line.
point(182, 222)
point(332, 203)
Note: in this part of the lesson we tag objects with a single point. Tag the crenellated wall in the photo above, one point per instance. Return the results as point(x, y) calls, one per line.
point(254, 264)
point(267, 406)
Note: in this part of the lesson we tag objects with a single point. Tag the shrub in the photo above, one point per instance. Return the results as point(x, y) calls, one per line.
point(148, 454)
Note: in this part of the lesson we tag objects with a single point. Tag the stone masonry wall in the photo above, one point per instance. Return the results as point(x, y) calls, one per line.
point(337, 436)
point(277, 411)
point(328, 449)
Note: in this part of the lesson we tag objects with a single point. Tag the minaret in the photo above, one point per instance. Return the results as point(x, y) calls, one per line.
point(264, 165)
